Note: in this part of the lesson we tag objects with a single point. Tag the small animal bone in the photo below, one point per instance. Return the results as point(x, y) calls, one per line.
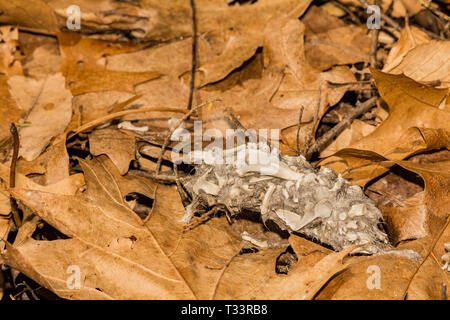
point(290, 192)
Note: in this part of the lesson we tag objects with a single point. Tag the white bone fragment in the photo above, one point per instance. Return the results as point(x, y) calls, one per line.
point(127, 125)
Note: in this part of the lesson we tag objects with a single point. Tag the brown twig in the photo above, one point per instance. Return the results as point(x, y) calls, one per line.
point(194, 55)
point(352, 16)
point(336, 130)
point(297, 144)
point(309, 139)
point(12, 174)
point(373, 48)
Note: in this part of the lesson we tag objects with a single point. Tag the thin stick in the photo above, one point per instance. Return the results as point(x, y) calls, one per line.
point(194, 55)
point(16, 143)
point(297, 145)
point(336, 130)
point(310, 137)
point(373, 48)
point(309, 143)
point(12, 174)
point(167, 140)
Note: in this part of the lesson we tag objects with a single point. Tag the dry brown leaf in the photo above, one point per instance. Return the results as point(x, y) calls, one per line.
point(358, 282)
point(42, 61)
point(8, 109)
point(69, 186)
point(411, 104)
point(429, 278)
point(117, 145)
point(204, 257)
point(410, 37)
point(203, 254)
point(53, 163)
point(428, 61)
point(355, 132)
point(273, 99)
point(300, 84)
point(196, 258)
point(119, 245)
point(151, 19)
point(243, 30)
point(50, 110)
point(299, 284)
point(34, 15)
point(414, 269)
point(426, 214)
point(83, 65)
point(328, 41)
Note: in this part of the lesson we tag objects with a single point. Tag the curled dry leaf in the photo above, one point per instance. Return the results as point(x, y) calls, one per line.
point(53, 163)
point(412, 271)
point(424, 216)
point(299, 284)
point(243, 29)
point(380, 277)
point(285, 84)
point(44, 60)
point(409, 39)
point(429, 278)
point(119, 245)
point(427, 62)
point(159, 261)
point(411, 104)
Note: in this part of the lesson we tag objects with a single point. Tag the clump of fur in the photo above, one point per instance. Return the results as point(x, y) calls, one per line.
point(290, 192)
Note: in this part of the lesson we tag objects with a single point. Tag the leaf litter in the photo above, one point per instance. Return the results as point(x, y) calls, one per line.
point(95, 107)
